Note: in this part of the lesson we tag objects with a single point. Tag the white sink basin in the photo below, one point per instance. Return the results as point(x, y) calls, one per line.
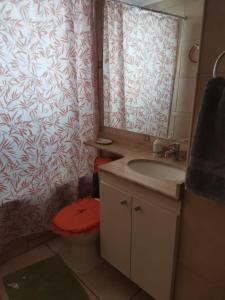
point(156, 170)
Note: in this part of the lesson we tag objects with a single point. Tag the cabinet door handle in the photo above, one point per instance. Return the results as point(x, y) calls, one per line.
point(137, 208)
point(123, 202)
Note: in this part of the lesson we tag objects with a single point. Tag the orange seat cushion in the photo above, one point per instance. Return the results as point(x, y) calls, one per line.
point(101, 161)
point(80, 216)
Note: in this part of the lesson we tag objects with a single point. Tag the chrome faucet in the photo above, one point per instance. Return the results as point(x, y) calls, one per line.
point(173, 150)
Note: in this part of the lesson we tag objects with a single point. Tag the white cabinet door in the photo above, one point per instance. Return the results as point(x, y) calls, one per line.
point(153, 247)
point(115, 227)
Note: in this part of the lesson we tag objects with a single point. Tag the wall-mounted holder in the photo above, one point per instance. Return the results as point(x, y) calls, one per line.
point(192, 53)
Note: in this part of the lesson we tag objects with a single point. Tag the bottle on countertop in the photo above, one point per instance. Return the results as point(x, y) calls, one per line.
point(157, 147)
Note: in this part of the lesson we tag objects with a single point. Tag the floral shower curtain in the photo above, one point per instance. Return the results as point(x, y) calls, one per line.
point(140, 54)
point(47, 108)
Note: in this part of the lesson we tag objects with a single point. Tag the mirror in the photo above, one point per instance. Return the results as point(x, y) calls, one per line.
point(150, 63)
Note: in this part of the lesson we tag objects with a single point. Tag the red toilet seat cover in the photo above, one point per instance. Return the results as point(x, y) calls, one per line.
point(80, 216)
point(101, 161)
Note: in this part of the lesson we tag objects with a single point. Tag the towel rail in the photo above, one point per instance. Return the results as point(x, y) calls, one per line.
point(216, 63)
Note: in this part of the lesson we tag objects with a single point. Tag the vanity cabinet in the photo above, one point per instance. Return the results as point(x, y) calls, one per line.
point(152, 248)
point(116, 227)
point(138, 234)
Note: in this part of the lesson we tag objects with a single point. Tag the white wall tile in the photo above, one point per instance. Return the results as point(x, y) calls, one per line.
point(182, 125)
point(192, 30)
point(186, 95)
point(194, 9)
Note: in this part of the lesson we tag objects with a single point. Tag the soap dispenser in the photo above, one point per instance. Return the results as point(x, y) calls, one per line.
point(157, 147)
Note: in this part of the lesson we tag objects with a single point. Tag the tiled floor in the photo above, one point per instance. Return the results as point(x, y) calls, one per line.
point(104, 283)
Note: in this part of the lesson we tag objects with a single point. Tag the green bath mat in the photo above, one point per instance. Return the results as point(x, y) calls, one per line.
point(49, 279)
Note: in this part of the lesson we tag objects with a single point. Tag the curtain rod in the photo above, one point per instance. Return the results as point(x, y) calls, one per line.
point(153, 10)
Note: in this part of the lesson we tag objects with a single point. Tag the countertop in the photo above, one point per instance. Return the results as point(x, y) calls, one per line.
point(131, 151)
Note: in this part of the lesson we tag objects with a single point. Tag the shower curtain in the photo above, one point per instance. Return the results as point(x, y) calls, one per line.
point(140, 57)
point(47, 108)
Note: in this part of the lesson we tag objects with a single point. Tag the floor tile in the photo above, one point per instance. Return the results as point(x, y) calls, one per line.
point(90, 294)
point(26, 259)
point(55, 244)
point(108, 283)
point(105, 281)
point(38, 239)
point(58, 246)
point(19, 262)
point(13, 249)
point(142, 296)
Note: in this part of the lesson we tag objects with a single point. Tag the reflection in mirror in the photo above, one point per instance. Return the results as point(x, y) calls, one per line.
point(148, 77)
point(140, 55)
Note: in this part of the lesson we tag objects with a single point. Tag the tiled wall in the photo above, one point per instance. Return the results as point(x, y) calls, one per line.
point(201, 266)
point(201, 263)
point(185, 85)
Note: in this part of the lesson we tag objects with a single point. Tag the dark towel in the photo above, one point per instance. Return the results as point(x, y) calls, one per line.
point(206, 170)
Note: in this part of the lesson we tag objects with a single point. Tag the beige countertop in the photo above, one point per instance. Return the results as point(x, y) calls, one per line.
point(131, 151)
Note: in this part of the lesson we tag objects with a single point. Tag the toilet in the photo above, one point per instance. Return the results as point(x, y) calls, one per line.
point(78, 225)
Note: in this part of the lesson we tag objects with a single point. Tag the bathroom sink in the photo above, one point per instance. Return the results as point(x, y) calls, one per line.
point(156, 170)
